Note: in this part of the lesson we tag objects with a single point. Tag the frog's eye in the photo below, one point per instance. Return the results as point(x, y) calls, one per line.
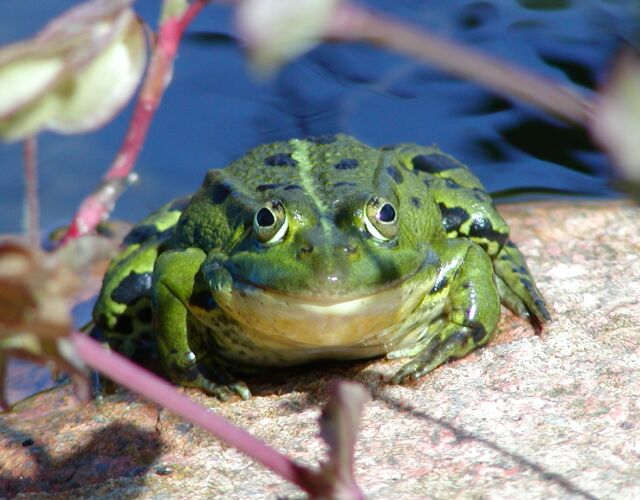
point(270, 223)
point(381, 219)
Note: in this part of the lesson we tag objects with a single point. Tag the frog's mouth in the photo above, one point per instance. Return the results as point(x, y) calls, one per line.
point(278, 321)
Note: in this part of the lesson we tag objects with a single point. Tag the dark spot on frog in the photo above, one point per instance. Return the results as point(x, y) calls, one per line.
point(203, 300)
point(145, 314)
point(291, 187)
point(219, 193)
point(527, 284)
point(304, 251)
point(180, 204)
point(124, 325)
point(520, 270)
point(466, 285)
point(482, 228)
point(416, 202)
point(27, 442)
point(322, 139)
point(479, 332)
point(433, 163)
point(280, 160)
point(346, 164)
point(131, 288)
point(451, 184)
point(395, 174)
point(439, 285)
point(265, 187)
point(140, 234)
point(453, 218)
point(510, 244)
point(344, 184)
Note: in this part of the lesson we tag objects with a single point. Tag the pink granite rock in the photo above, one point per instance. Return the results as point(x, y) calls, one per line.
point(526, 417)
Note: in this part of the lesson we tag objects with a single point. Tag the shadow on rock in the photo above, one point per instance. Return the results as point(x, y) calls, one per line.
point(463, 435)
point(117, 450)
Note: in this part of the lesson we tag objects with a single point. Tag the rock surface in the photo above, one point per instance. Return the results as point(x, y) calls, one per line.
point(527, 417)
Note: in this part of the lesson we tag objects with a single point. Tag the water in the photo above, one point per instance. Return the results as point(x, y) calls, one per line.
point(214, 110)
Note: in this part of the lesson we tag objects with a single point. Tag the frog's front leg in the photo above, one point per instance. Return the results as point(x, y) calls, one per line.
point(173, 285)
point(471, 312)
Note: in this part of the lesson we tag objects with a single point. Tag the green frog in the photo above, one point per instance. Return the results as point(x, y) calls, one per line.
point(317, 248)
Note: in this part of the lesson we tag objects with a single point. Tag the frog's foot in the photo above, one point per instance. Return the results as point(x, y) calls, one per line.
point(517, 288)
point(452, 341)
point(216, 382)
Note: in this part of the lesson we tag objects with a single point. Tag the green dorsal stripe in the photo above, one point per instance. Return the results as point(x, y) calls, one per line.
point(308, 180)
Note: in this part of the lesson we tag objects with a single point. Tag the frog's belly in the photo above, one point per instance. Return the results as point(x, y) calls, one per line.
point(271, 330)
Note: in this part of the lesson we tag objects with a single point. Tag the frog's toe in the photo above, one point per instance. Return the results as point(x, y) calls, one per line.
point(240, 388)
point(453, 341)
point(517, 287)
point(222, 390)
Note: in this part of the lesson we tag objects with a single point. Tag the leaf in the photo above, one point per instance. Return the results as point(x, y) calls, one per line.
point(275, 31)
point(616, 118)
point(76, 74)
point(37, 291)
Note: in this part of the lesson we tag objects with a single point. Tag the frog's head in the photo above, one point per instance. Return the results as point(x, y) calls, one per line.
point(340, 236)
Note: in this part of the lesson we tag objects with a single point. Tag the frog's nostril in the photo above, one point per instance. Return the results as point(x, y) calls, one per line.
point(350, 249)
point(304, 251)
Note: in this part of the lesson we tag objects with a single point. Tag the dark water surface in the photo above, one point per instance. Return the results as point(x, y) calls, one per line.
point(214, 110)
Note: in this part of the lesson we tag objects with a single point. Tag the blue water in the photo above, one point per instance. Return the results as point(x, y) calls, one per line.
point(215, 110)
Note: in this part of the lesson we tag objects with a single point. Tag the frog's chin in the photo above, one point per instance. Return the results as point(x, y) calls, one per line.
point(277, 321)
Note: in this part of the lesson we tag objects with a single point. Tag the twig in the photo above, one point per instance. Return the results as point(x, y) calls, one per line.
point(97, 206)
point(352, 22)
point(152, 387)
point(31, 190)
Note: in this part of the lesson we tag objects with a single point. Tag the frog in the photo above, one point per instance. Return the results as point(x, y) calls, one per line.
point(321, 248)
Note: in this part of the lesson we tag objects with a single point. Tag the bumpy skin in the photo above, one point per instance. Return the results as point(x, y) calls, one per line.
point(322, 248)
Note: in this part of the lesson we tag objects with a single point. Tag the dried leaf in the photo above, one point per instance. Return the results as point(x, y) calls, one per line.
point(275, 31)
point(616, 119)
point(37, 291)
point(74, 75)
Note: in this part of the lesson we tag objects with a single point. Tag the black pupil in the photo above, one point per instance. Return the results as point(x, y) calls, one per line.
point(265, 217)
point(386, 213)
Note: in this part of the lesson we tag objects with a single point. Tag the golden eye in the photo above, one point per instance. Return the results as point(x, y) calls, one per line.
point(381, 218)
point(270, 223)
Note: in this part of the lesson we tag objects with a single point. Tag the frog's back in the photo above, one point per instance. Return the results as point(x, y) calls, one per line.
point(318, 166)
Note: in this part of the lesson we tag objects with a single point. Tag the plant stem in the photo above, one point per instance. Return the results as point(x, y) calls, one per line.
point(152, 387)
point(97, 206)
point(31, 190)
point(352, 22)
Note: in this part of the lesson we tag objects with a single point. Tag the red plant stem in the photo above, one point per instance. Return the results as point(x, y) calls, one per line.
point(152, 387)
point(97, 206)
point(352, 22)
point(31, 189)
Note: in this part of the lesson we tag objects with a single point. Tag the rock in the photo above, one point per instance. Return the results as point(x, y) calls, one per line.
point(556, 415)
